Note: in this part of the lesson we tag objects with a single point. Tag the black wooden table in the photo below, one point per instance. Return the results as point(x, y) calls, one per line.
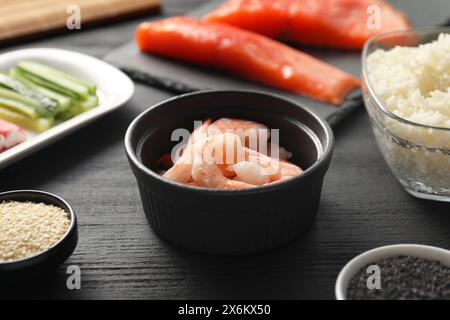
point(362, 207)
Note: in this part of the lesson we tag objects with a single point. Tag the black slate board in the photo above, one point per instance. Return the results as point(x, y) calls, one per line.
point(180, 77)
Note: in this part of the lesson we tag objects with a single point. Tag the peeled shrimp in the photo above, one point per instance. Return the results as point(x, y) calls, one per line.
point(181, 170)
point(250, 172)
point(259, 169)
point(253, 135)
point(210, 154)
point(224, 155)
point(250, 133)
point(275, 168)
point(283, 154)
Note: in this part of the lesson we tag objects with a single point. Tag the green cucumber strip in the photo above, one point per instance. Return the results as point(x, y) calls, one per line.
point(54, 76)
point(91, 102)
point(49, 70)
point(44, 69)
point(10, 94)
point(49, 85)
point(79, 107)
point(19, 107)
point(69, 114)
point(15, 101)
point(38, 125)
point(24, 101)
point(25, 91)
point(64, 102)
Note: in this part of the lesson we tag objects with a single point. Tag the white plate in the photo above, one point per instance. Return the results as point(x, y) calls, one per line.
point(114, 89)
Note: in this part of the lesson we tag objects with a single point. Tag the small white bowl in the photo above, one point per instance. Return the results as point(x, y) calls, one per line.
point(374, 255)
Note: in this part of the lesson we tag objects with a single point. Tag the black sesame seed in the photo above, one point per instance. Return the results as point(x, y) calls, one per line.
point(403, 278)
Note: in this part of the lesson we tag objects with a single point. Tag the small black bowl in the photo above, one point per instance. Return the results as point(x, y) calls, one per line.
point(50, 259)
point(230, 221)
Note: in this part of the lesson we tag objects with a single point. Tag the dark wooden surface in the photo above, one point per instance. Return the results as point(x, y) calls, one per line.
point(120, 257)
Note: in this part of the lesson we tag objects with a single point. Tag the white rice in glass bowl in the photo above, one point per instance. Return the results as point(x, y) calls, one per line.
point(407, 95)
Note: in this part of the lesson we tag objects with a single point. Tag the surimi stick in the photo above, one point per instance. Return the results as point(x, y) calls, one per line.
point(10, 135)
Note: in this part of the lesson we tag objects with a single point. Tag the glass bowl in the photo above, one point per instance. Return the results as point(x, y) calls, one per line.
point(418, 154)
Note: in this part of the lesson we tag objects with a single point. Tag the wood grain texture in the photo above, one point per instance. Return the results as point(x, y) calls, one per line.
point(25, 18)
point(362, 207)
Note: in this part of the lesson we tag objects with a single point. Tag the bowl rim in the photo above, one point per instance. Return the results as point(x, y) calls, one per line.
point(70, 229)
point(326, 153)
point(365, 74)
point(373, 255)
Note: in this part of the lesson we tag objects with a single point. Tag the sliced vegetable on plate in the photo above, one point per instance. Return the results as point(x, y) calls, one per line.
point(36, 97)
point(63, 102)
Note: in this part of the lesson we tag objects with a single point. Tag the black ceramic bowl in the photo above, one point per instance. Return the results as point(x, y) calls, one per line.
point(230, 221)
point(58, 253)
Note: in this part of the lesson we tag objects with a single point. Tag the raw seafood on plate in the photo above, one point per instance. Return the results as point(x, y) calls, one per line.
point(10, 135)
point(246, 54)
point(229, 154)
point(345, 24)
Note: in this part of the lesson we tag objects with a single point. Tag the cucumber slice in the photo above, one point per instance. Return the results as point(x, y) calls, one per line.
point(55, 76)
point(38, 125)
point(91, 102)
point(48, 85)
point(23, 90)
point(79, 107)
point(16, 101)
point(10, 94)
point(37, 69)
point(64, 102)
point(19, 107)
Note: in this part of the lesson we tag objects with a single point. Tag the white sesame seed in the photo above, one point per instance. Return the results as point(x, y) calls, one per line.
point(28, 228)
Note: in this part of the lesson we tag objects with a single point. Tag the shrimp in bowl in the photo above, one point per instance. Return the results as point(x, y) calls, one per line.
point(225, 186)
point(231, 154)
